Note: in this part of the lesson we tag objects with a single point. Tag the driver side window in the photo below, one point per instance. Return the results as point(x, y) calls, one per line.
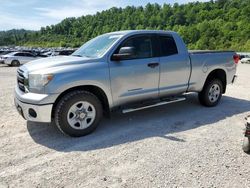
point(18, 54)
point(142, 46)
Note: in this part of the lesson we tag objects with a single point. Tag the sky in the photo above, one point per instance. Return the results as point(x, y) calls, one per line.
point(34, 14)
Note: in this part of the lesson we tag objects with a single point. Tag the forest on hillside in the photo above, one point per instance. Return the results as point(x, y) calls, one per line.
point(221, 24)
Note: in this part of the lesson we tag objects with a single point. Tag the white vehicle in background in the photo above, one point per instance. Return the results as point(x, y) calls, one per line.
point(245, 60)
point(18, 58)
point(1, 60)
point(3, 54)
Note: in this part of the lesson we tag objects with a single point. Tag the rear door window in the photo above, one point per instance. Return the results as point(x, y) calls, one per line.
point(19, 54)
point(168, 46)
point(28, 55)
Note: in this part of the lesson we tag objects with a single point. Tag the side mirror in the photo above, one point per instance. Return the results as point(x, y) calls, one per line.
point(124, 53)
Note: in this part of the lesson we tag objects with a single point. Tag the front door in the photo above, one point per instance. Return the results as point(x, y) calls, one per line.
point(29, 57)
point(136, 78)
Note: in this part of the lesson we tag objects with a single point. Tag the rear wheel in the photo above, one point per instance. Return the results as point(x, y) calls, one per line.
point(15, 63)
point(78, 113)
point(211, 94)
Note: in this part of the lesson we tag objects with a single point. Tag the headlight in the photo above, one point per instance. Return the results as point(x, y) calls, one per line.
point(39, 80)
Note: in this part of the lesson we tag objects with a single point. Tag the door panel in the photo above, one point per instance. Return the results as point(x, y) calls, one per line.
point(175, 68)
point(133, 80)
point(28, 58)
point(137, 78)
point(21, 59)
point(174, 75)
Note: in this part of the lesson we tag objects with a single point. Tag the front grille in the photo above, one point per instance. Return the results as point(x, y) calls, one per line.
point(20, 80)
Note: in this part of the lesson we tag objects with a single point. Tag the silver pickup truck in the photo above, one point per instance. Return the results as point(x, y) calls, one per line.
point(126, 70)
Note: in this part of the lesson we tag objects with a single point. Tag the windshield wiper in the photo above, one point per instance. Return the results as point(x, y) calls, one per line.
point(82, 56)
point(77, 55)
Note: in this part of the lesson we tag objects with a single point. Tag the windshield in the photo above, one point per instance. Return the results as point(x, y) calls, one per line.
point(97, 46)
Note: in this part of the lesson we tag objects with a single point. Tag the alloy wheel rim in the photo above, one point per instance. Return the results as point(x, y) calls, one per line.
point(81, 115)
point(214, 93)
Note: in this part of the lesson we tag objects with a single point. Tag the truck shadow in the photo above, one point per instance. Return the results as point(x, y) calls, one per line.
point(155, 122)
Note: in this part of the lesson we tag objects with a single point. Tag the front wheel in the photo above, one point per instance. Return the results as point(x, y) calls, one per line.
point(246, 145)
point(211, 94)
point(78, 113)
point(15, 63)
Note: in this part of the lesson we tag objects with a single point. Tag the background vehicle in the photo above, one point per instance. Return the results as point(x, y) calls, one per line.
point(245, 60)
point(2, 54)
point(127, 70)
point(1, 60)
point(6, 52)
point(57, 53)
point(246, 142)
point(66, 52)
point(18, 58)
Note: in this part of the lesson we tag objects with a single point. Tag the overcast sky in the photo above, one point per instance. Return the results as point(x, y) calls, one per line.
point(33, 14)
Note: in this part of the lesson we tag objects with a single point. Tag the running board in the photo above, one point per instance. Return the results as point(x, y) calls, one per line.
point(124, 111)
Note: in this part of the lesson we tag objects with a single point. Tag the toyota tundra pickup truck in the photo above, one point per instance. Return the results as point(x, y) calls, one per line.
point(126, 71)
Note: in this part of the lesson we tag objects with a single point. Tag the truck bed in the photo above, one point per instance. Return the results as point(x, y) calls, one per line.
point(204, 61)
point(208, 51)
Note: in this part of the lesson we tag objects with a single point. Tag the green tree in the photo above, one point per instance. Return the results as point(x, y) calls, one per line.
point(217, 24)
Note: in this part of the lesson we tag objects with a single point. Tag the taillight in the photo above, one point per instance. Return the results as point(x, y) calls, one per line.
point(236, 58)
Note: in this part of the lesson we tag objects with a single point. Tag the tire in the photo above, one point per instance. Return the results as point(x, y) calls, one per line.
point(211, 94)
point(15, 63)
point(246, 145)
point(78, 113)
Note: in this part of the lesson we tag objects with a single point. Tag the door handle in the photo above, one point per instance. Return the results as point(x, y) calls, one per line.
point(153, 65)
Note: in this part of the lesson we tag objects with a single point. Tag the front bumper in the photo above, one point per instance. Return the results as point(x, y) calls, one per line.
point(36, 113)
point(7, 63)
point(34, 107)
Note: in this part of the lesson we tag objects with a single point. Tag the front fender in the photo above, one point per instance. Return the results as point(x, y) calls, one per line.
point(91, 75)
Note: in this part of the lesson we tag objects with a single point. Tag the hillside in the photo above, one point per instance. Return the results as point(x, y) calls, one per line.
point(222, 24)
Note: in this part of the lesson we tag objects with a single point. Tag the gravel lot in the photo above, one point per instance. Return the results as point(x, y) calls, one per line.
point(178, 145)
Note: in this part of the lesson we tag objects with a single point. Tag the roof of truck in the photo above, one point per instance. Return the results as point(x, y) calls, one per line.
point(140, 32)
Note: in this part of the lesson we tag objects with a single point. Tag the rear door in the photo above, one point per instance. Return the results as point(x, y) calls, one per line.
point(137, 78)
point(174, 67)
point(29, 57)
point(20, 57)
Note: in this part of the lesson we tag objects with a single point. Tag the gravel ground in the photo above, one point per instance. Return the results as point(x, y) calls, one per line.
point(177, 145)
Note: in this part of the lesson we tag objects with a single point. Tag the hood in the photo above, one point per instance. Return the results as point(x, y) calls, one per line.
point(6, 55)
point(56, 61)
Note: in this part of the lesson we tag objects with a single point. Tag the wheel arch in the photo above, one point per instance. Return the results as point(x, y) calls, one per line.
point(219, 74)
point(14, 59)
point(97, 91)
